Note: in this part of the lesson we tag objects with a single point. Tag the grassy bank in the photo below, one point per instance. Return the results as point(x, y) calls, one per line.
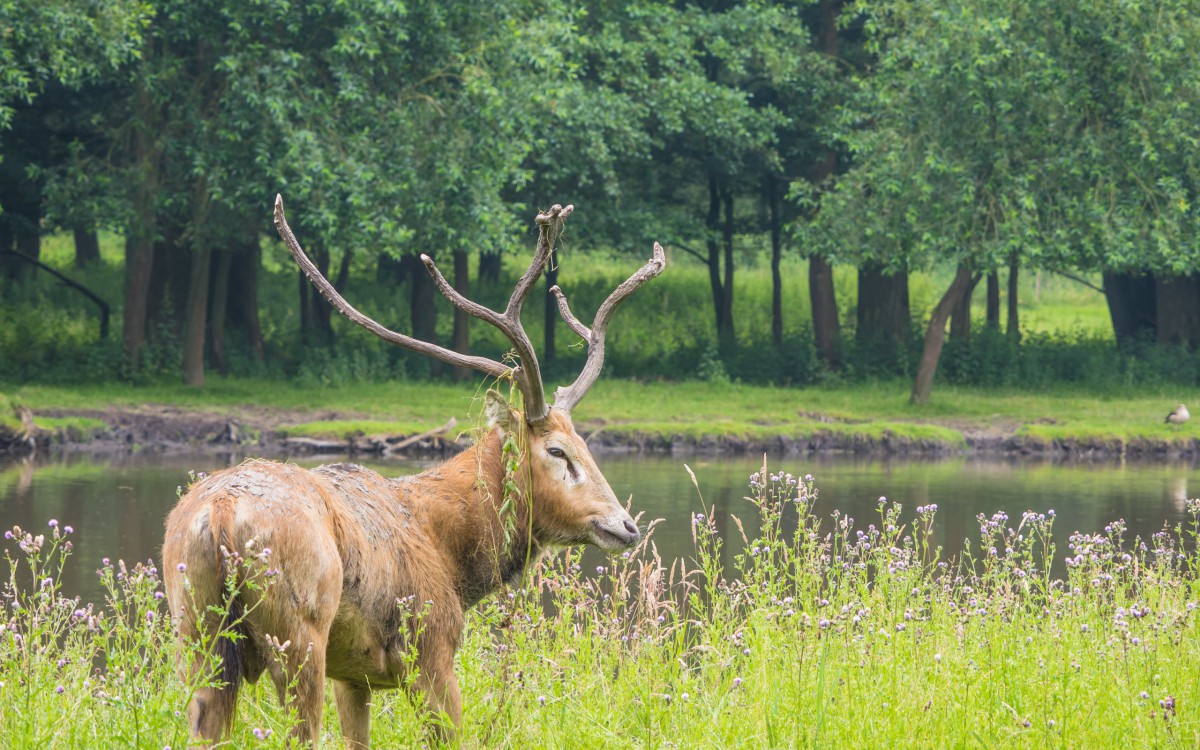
point(851, 633)
point(690, 411)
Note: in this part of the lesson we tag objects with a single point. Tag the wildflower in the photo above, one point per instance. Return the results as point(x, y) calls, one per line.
point(106, 562)
point(68, 530)
point(1144, 695)
point(541, 700)
point(737, 682)
point(8, 535)
point(262, 734)
point(937, 658)
point(53, 523)
point(181, 567)
point(59, 690)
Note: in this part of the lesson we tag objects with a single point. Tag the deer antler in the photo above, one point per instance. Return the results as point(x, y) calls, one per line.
point(566, 398)
point(527, 375)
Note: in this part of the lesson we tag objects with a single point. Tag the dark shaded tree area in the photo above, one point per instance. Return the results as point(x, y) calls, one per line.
point(890, 136)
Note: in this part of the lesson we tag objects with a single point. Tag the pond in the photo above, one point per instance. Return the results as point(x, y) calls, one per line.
point(117, 504)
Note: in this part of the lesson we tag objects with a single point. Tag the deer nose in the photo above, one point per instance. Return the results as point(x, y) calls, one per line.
point(632, 528)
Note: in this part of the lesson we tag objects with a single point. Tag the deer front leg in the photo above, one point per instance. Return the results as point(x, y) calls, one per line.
point(354, 712)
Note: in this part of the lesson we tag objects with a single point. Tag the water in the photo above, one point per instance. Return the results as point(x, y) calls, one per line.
point(117, 504)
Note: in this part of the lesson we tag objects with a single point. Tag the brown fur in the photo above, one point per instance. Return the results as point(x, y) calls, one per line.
point(348, 544)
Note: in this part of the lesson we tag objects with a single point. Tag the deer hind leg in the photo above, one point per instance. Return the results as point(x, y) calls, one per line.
point(438, 686)
point(354, 712)
point(214, 652)
point(299, 677)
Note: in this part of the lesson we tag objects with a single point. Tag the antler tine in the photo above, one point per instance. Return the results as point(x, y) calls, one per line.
point(566, 398)
point(483, 364)
point(527, 375)
point(549, 225)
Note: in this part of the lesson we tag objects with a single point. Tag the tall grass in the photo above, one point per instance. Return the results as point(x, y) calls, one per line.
point(826, 632)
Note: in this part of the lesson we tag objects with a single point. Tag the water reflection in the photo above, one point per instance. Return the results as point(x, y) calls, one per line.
point(117, 503)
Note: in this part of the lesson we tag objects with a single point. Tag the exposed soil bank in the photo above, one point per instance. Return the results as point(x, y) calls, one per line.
point(172, 429)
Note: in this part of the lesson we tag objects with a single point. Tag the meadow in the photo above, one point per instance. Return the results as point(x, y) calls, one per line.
point(826, 632)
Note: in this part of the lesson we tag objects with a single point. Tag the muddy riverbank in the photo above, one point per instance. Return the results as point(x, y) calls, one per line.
point(170, 429)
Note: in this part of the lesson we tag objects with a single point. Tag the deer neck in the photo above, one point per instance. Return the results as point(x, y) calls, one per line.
point(487, 543)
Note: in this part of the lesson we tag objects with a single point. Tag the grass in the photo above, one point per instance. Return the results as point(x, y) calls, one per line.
point(846, 633)
point(690, 410)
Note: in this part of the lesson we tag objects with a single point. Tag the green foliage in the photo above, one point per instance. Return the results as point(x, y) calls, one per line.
point(67, 41)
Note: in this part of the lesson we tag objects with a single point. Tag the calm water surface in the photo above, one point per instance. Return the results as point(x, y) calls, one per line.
point(117, 504)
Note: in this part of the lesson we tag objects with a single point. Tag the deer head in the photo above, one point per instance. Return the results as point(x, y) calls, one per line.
point(573, 502)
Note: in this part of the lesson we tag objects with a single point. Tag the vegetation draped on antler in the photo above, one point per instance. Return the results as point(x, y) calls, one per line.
point(527, 375)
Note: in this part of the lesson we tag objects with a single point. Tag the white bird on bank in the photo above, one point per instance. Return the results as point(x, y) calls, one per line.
point(1179, 416)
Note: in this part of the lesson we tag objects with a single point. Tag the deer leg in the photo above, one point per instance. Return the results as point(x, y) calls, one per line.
point(212, 708)
point(354, 712)
point(299, 677)
point(438, 686)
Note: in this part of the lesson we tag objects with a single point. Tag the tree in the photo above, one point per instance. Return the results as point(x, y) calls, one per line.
point(957, 138)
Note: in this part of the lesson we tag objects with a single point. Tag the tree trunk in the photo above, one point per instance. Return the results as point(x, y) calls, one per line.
point(243, 292)
point(462, 321)
point(139, 262)
point(139, 236)
point(195, 314)
point(826, 327)
point(549, 314)
point(820, 273)
point(170, 279)
point(774, 218)
point(28, 233)
point(1178, 310)
point(1014, 328)
point(423, 310)
point(320, 311)
point(87, 246)
point(1132, 306)
point(727, 237)
point(993, 301)
point(489, 266)
point(219, 307)
point(960, 317)
point(935, 334)
point(883, 315)
point(713, 224)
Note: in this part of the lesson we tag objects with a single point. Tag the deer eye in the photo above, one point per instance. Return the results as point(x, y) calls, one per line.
point(556, 452)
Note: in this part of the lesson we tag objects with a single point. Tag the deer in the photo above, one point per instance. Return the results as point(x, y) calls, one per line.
point(366, 571)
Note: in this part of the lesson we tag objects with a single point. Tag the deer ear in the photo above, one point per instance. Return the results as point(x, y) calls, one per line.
point(498, 412)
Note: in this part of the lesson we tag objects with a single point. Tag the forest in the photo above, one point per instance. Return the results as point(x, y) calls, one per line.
point(835, 183)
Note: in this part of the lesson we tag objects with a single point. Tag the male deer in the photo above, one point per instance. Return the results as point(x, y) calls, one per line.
point(348, 546)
